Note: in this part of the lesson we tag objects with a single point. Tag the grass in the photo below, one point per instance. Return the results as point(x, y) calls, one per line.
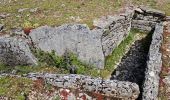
point(19, 88)
point(57, 12)
point(163, 5)
point(15, 88)
point(117, 54)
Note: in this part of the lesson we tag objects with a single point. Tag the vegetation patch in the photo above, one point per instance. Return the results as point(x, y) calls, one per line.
point(113, 59)
point(65, 63)
point(15, 88)
point(49, 62)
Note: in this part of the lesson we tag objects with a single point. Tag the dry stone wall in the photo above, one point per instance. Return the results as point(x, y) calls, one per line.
point(117, 30)
point(145, 18)
point(109, 88)
point(154, 64)
point(92, 46)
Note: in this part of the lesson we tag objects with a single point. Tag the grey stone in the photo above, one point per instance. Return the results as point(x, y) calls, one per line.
point(153, 11)
point(33, 10)
point(15, 51)
point(167, 18)
point(143, 25)
point(16, 31)
point(75, 38)
point(3, 16)
point(22, 10)
point(117, 29)
point(154, 63)
point(109, 88)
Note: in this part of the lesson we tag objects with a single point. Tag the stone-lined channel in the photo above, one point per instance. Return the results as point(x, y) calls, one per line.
point(133, 63)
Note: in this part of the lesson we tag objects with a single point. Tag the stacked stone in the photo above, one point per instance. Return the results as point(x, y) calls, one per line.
point(154, 63)
point(116, 28)
point(145, 18)
point(110, 88)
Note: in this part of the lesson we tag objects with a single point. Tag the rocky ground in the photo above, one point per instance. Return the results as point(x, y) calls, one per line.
point(164, 88)
point(133, 64)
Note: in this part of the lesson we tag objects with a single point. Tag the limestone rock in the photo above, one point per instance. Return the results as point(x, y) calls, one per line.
point(15, 51)
point(154, 63)
point(109, 88)
point(153, 11)
point(117, 29)
point(76, 38)
point(143, 25)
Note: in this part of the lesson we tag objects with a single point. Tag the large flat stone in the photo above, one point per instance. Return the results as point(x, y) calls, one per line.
point(75, 38)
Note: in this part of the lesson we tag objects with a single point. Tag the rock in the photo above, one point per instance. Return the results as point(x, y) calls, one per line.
point(154, 63)
point(75, 38)
point(15, 51)
point(1, 27)
point(116, 30)
point(139, 10)
point(143, 25)
point(3, 16)
point(22, 10)
point(33, 10)
point(167, 18)
point(153, 11)
point(108, 88)
point(17, 31)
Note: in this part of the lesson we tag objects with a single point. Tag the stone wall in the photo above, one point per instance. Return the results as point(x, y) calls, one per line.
point(145, 18)
point(106, 88)
point(116, 28)
point(92, 46)
point(154, 63)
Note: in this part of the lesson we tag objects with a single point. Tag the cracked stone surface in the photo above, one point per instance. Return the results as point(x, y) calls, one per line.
point(15, 51)
point(76, 38)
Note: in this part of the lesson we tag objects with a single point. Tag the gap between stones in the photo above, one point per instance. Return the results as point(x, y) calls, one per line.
point(133, 64)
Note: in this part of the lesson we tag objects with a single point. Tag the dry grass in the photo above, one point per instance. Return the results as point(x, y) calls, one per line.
point(57, 12)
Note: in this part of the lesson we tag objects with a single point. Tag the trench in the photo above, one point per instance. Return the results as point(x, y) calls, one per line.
point(133, 64)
